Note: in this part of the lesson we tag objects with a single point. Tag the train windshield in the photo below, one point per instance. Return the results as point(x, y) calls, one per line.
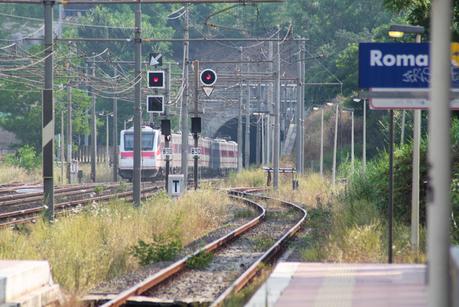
point(147, 141)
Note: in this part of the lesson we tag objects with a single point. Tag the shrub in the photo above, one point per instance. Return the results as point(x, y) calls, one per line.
point(25, 157)
point(161, 249)
point(200, 260)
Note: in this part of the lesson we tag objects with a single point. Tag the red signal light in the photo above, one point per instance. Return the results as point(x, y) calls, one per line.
point(208, 77)
point(155, 79)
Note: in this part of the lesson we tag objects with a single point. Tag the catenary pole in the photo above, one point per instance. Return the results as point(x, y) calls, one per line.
point(302, 107)
point(93, 128)
point(239, 117)
point(115, 132)
point(48, 113)
point(107, 139)
point(62, 148)
point(69, 133)
point(322, 142)
point(335, 145)
point(247, 124)
point(269, 130)
point(184, 109)
point(276, 119)
point(137, 174)
point(298, 113)
point(196, 111)
point(439, 201)
point(415, 178)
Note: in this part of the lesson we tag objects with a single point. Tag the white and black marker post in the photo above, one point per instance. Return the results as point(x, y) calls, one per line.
point(48, 114)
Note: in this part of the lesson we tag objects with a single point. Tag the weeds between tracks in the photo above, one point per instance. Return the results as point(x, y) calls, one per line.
point(86, 249)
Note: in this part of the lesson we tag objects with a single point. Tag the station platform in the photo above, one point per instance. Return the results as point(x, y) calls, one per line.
point(344, 285)
point(27, 283)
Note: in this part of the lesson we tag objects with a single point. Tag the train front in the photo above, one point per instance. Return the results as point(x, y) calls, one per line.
point(150, 153)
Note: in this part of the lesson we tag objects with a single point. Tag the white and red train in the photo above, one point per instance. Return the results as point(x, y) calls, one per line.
point(217, 156)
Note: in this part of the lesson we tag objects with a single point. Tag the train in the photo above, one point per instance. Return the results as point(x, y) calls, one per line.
point(217, 156)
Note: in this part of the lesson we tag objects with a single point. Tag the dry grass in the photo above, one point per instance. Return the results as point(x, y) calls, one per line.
point(339, 230)
point(86, 249)
point(15, 174)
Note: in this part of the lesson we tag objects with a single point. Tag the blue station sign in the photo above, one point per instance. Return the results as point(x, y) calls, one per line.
point(398, 65)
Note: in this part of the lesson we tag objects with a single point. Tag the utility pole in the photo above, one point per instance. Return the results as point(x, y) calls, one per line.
point(61, 147)
point(247, 125)
point(239, 118)
point(184, 110)
point(269, 129)
point(48, 113)
point(166, 110)
point(439, 201)
point(258, 145)
point(302, 69)
point(335, 146)
point(364, 147)
point(352, 142)
point(195, 134)
point(298, 113)
point(390, 210)
point(137, 174)
point(322, 142)
point(416, 169)
point(263, 140)
point(69, 133)
point(93, 128)
point(276, 118)
point(115, 132)
point(107, 132)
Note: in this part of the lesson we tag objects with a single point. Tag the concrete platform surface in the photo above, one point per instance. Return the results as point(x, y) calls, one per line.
point(344, 285)
point(20, 280)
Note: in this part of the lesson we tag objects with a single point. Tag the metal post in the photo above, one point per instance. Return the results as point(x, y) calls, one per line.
point(115, 134)
point(322, 142)
point(276, 119)
point(166, 112)
point(269, 130)
point(439, 201)
point(258, 145)
point(239, 117)
point(184, 109)
point(263, 141)
point(402, 130)
point(352, 142)
point(48, 113)
point(364, 147)
point(335, 146)
point(93, 128)
point(69, 133)
point(107, 132)
point(62, 147)
point(302, 47)
point(415, 178)
point(247, 127)
point(195, 135)
point(390, 210)
point(298, 114)
point(137, 173)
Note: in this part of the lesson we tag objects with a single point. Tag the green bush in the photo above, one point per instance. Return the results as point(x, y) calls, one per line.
point(159, 250)
point(25, 157)
point(199, 261)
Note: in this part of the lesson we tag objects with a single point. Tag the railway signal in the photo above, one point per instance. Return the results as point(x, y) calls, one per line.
point(155, 104)
point(208, 78)
point(156, 79)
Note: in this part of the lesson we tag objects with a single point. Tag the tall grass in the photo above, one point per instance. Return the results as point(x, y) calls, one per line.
point(86, 249)
point(16, 174)
point(344, 223)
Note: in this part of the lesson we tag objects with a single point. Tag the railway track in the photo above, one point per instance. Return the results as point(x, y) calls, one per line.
point(25, 208)
point(236, 258)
